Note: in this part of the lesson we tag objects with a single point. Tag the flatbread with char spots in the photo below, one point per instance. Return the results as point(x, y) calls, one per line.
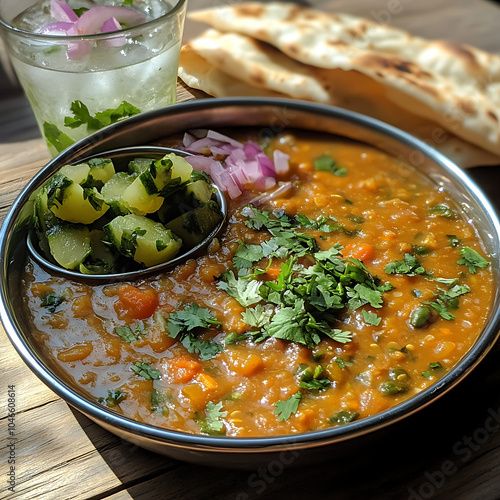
point(454, 86)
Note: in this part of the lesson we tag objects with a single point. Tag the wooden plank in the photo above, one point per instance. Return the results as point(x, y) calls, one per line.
point(64, 455)
point(61, 454)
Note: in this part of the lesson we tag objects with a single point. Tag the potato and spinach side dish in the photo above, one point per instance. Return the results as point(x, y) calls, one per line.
point(95, 220)
point(349, 286)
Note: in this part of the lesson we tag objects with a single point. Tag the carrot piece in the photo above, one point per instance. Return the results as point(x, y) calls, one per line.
point(183, 369)
point(136, 303)
point(244, 364)
point(362, 252)
point(209, 383)
point(273, 272)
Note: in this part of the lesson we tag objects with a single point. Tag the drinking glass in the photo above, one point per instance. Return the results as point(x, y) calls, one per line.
point(80, 83)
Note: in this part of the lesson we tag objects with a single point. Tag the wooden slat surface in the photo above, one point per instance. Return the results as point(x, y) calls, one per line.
point(60, 454)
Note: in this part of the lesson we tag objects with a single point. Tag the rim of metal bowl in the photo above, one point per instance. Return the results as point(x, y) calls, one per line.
point(119, 153)
point(267, 443)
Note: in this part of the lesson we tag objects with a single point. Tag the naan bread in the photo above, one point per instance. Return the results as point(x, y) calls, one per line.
point(199, 74)
point(230, 64)
point(451, 84)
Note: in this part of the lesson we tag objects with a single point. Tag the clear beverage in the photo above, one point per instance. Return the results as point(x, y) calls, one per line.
point(129, 71)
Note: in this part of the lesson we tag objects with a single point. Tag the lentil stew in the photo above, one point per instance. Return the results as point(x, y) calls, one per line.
point(356, 289)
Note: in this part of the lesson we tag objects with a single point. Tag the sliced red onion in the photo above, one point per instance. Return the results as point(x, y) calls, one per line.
point(266, 165)
point(201, 144)
point(252, 149)
point(92, 20)
point(201, 163)
point(199, 132)
point(281, 162)
point(212, 134)
point(265, 183)
point(282, 189)
point(59, 28)
point(188, 139)
point(61, 11)
point(243, 166)
point(230, 184)
point(216, 151)
point(109, 26)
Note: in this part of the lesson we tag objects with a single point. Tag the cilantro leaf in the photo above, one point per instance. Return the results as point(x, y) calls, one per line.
point(371, 318)
point(284, 409)
point(245, 291)
point(191, 317)
point(129, 335)
point(447, 301)
point(113, 398)
point(212, 423)
point(326, 162)
point(340, 336)
point(95, 199)
point(206, 349)
point(311, 380)
point(454, 241)
point(410, 266)
point(145, 371)
point(472, 259)
point(258, 316)
point(56, 188)
point(51, 301)
point(181, 324)
point(433, 366)
point(56, 137)
point(82, 116)
point(443, 210)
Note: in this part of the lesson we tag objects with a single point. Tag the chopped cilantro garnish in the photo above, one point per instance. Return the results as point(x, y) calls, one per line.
point(420, 249)
point(454, 241)
point(245, 291)
point(302, 302)
point(94, 198)
point(144, 370)
point(371, 318)
point(409, 266)
point(472, 259)
point(52, 301)
point(181, 325)
point(82, 116)
point(128, 242)
point(113, 398)
point(312, 380)
point(442, 210)
point(284, 409)
point(56, 137)
point(158, 402)
point(432, 366)
point(81, 10)
point(129, 335)
point(326, 162)
point(258, 316)
point(212, 423)
point(233, 337)
point(357, 219)
point(56, 188)
point(447, 300)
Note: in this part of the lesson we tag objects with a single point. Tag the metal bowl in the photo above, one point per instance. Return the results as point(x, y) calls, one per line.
point(268, 116)
point(120, 157)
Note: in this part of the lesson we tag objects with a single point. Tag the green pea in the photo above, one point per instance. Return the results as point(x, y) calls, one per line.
point(420, 316)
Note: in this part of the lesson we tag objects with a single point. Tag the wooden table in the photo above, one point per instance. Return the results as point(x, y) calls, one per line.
point(450, 450)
